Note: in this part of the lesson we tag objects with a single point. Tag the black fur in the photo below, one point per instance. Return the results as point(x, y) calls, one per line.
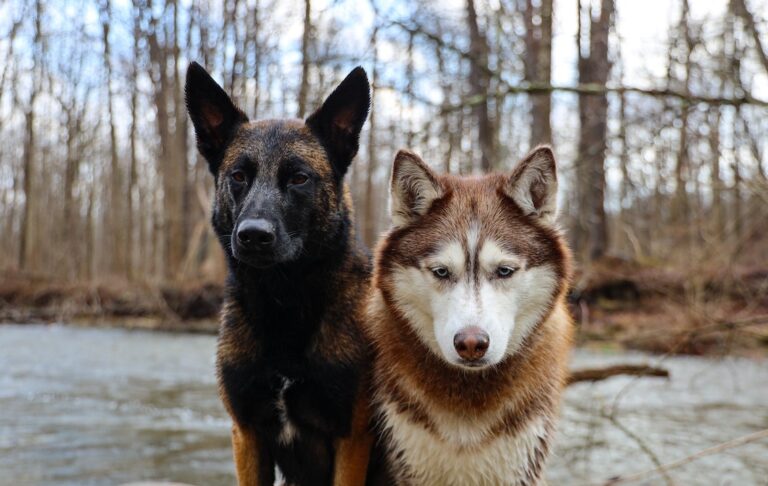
point(213, 114)
point(339, 121)
point(286, 307)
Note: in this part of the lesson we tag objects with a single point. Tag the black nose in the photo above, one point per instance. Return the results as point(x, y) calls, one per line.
point(255, 233)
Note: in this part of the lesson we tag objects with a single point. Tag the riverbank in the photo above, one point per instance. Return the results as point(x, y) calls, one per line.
point(615, 303)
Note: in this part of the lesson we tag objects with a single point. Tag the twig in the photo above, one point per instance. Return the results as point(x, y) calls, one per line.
point(598, 89)
point(753, 437)
point(644, 447)
point(599, 374)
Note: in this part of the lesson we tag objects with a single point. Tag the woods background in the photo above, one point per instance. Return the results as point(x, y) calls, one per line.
point(658, 112)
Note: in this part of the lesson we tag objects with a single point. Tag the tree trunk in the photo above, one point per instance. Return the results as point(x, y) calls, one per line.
point(538, 61)
point(28, 217)
point(369, 222)
point(114, 225)
point(306, 39)
point(593, 112)
point(681, 205)
point(479, 81)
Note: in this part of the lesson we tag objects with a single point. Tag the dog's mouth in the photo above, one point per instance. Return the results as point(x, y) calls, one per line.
point(473, 365)
point(264, 258)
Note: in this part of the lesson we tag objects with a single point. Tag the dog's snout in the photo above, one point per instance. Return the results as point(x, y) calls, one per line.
point(256, 233)
point(471, 343)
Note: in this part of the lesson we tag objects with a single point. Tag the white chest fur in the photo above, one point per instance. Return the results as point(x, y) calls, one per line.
point(464, 454)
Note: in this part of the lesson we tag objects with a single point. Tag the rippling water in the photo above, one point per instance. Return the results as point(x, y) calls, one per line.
point(107, 406)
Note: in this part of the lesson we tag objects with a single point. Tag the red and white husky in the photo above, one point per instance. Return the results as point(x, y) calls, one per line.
point(469, 324)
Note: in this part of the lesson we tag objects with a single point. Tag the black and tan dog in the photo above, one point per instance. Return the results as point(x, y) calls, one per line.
point(290, 350)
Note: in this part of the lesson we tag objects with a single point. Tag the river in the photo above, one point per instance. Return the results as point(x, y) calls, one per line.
point(109, 406)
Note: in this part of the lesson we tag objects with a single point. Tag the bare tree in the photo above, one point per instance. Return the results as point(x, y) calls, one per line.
point(594, 68)
point(29, 216)
point(538, 61)
point(479, 81)
point(306, 40)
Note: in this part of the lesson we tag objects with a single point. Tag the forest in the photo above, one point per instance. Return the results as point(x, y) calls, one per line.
point(657, 115)
point(657, 112)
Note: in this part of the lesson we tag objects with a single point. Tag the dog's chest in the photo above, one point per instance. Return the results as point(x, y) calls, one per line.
point(287, 430)
point(455, 454)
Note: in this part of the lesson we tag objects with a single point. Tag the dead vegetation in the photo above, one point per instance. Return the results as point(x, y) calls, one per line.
point(191, 306)
point(664, 308)
point(654, 308)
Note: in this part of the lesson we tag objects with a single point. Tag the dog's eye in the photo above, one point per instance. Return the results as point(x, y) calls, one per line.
point(441, 273)
point(238, 176)
point(504, 271)
point(298, 179)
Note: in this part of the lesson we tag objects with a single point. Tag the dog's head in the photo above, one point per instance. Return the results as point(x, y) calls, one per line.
point(473, 264)
point(280, 194)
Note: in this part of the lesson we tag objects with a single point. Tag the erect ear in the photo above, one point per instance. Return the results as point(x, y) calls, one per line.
point(414, 187)
point(213, 114)
point(533, 185)
point(339, 121)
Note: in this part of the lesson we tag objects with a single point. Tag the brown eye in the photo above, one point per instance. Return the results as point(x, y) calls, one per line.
point(298, 179)
point(238, 176)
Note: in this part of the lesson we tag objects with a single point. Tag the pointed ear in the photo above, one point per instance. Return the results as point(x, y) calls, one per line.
point(213, 114)
point(413, 190)
point(339, 121)
point(533, 185)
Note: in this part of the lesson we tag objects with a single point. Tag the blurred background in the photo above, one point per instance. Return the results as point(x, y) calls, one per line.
point(658, 113)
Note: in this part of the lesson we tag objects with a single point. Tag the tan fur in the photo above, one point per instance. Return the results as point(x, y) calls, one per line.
point(353, 452)
point(245, 448)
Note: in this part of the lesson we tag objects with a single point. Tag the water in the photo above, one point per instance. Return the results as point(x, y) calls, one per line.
point(108, 406)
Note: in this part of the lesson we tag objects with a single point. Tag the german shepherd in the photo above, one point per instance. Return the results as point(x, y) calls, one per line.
point(469, 325)
point(291, 348)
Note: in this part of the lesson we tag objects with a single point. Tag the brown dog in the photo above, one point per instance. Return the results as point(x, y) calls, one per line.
point(470, 326)
point(291, 354)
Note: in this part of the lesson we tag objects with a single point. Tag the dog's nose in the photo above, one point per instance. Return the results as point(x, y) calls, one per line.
point(255, 233)
point(471, 343)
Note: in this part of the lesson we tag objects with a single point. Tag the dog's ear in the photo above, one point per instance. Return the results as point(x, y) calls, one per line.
point(339, 121)
point(533, 185)
point(213, 114)
point(413, 189)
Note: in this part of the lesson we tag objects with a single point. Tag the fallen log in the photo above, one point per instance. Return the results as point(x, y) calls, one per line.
point(599, 374)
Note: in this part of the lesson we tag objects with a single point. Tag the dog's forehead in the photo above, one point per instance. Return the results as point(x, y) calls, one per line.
point(269, 142)
point(473, 215)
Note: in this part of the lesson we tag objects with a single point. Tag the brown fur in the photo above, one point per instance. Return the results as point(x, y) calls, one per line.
point(408, 373)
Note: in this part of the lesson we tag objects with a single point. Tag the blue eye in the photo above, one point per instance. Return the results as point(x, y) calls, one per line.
point(441, 273)
point(505, 271)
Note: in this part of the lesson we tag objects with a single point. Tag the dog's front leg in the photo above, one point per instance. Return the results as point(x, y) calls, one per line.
point(353, 452)
point(252, 463)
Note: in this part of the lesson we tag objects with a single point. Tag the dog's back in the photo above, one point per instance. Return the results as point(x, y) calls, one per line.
point(469, 324)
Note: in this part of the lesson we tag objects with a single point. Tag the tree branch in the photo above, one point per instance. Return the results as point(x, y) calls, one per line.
point(597, 89)
point(599, 374)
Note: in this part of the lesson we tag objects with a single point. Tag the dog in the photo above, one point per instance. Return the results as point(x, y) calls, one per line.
point(469, 325)
point(291, 350)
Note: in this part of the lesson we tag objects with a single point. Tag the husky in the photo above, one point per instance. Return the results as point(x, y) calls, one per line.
point(291, 352)
point(470, 330)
